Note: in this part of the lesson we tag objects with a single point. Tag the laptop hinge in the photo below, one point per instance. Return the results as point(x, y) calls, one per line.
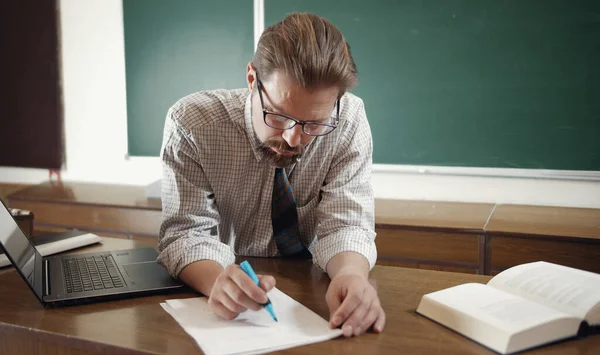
point(46, 277)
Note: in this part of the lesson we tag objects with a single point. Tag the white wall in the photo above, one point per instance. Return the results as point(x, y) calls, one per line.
point(93, 72)
point(95, 108)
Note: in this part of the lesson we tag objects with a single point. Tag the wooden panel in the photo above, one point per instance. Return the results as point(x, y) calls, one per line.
point(32, 128)
point(40, 230)
point(91, 194)
point(109, 219)
point(146, 239)
point(428, 245)
point(511, 251)
point(24, 219)
point(544, 220)
point(7, 189)
point(426, 266)
point(452, 215)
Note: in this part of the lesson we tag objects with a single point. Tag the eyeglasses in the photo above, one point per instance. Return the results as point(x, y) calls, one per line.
point(283, 122)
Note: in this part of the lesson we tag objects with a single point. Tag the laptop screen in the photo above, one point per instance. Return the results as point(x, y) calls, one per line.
point(21, 252)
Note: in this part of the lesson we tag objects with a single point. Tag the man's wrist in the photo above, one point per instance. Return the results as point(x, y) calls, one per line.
point(351, 271)
point(348, 263)
point(201, 275)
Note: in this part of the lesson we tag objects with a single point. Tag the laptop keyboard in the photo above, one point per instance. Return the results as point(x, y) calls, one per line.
point(91, 273)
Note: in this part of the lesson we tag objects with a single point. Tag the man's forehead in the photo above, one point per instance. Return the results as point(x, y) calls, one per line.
point(281, 90)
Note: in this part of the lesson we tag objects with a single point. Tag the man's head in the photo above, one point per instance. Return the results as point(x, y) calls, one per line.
point(302, 66)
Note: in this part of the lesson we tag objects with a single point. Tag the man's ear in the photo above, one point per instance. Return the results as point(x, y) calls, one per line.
point(250, 76)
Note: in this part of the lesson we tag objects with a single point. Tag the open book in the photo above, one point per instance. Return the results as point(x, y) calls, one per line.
point(523, 307)
point(251, 332)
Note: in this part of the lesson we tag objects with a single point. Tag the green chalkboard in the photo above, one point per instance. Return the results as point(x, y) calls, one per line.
point(480, 83)
point(174, 48)
point(477, 83)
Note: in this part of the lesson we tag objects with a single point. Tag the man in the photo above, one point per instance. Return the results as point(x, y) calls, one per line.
point(281, 168)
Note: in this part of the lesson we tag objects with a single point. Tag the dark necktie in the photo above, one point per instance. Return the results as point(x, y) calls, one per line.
point(285, 218)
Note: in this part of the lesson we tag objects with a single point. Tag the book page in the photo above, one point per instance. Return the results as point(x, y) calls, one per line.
point(496, 319)
point(563, 288)
point(251, 332)
point(504, 311)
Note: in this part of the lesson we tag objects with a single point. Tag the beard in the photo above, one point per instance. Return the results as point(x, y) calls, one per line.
point(281, 160)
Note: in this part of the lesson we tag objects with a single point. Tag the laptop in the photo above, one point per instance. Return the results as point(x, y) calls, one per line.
point(70, 279)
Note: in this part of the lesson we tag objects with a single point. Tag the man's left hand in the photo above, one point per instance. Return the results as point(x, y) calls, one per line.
point(353, 304)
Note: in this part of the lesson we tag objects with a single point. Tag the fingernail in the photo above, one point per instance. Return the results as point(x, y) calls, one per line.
point(337, 320)
point(347, 330)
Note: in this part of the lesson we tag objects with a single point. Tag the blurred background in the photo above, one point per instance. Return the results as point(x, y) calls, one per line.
point(498, 100)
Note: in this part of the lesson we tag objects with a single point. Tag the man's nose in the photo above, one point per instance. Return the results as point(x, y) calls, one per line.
point(293, 136)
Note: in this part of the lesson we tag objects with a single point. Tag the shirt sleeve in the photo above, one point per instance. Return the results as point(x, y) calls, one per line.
point(346, 210)
point(189, 226)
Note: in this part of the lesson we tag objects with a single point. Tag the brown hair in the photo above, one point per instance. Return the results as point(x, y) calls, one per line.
point(308, 48)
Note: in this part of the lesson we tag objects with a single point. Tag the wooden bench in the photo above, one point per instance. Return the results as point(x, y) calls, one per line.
point(464, 237)
point(107, 210)
point(431, 235)
point(518, 234)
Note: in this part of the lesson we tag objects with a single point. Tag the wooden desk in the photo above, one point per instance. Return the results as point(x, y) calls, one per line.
point(141, 326)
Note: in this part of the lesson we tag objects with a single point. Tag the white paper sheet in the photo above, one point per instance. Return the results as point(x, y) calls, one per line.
point(251, 332)
point(59, 246)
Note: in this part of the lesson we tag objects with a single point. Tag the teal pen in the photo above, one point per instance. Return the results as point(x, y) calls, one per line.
point(245, 265)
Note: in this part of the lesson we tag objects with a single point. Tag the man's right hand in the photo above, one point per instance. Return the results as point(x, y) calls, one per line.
point(234, 292)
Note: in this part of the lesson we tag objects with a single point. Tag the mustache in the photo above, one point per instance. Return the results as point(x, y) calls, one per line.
point(284, 147)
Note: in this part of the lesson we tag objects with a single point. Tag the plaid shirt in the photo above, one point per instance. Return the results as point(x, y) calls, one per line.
point(217, 188)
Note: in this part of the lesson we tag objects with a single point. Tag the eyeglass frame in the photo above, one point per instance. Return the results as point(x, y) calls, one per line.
point(296, 121)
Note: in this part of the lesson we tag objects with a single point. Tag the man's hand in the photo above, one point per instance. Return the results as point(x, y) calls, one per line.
point(353, 302)
point(234, 292)
point(230, 291)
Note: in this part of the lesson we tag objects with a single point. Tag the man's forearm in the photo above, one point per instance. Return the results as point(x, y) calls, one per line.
point(201, 275)
point(348, 263)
